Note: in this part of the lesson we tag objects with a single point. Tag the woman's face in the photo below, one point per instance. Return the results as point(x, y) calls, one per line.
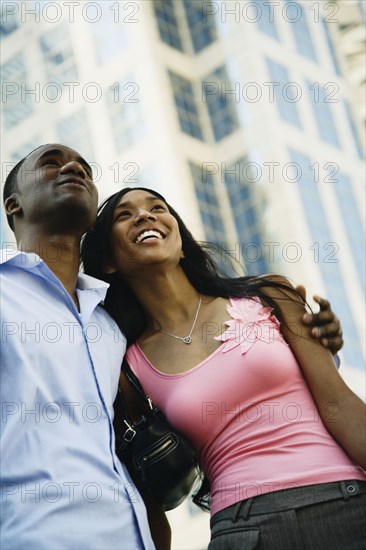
point(144, 233)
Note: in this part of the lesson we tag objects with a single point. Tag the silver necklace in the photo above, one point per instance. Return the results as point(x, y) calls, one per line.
point(186, 339)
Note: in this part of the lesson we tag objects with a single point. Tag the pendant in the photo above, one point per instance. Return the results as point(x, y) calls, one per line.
point(187, 339)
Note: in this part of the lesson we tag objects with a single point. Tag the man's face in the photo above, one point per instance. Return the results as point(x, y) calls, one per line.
point(55, 189)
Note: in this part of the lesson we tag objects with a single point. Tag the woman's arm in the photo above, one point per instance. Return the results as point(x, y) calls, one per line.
point(342, 411)
point(159, 526)
point(158, 522)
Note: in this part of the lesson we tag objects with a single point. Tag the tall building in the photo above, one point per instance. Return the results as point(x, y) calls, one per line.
point(243, 114)
point(350, 35)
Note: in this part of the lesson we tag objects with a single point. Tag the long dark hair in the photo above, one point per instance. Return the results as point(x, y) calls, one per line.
point(198, 265)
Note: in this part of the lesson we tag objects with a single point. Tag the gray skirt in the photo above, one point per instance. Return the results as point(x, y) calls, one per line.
point(314, 517)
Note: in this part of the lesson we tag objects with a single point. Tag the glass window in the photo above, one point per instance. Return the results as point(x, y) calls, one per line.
point(356, 140)
point(73, 131)
point(331, 49)
point(266, 18)
point(216, 89)
point(17, 104)
point(208, 203)
point(168, 23)
point(362, 5)
point(58, 55)
point(323, 115)
point(211, 217)
point(296, 16)
point(283, 93)
point(320, 233)
point(8, 21)
point(109, 36)
point(126, 117)
point(352, 222)
point(244, 211)
point(186, 104)
point(201, 25)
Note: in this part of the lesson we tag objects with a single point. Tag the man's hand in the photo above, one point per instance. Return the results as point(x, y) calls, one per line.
point(326, 326)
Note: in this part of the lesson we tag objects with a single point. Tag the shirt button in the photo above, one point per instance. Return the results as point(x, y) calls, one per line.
point(351, 489)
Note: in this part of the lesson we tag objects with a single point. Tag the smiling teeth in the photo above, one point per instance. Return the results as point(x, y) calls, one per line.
point(146, 234)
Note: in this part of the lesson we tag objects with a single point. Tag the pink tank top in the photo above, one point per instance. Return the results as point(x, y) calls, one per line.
point(248, 411)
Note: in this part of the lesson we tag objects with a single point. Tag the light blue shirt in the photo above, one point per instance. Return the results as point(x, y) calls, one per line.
point(62, 485)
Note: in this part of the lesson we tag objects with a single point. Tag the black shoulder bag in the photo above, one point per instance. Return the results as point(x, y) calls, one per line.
point(160, 460)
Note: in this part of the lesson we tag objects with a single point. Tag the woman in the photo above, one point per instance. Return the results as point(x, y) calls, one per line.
point(227, 360)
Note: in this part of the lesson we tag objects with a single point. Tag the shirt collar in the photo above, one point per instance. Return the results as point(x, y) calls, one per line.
point(15, 257)
point(30, 260)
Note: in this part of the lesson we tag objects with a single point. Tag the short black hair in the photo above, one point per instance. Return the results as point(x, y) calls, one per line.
point(11, 184)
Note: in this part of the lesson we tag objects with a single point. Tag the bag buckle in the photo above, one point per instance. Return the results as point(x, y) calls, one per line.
point(129, 433)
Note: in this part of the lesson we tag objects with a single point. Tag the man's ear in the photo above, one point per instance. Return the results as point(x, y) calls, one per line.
point(110, 269)
point(12, 206)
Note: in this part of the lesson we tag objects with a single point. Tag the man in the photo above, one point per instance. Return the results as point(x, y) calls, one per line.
point(62, 484)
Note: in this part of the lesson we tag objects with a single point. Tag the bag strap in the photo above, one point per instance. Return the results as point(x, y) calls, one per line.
point(132, 378)
point(126, 432)
point(127, 419)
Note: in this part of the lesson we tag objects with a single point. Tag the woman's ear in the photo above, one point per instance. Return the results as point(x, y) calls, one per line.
point(12, 206)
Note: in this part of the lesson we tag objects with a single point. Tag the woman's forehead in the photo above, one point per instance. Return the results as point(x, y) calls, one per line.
point(136, 196)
